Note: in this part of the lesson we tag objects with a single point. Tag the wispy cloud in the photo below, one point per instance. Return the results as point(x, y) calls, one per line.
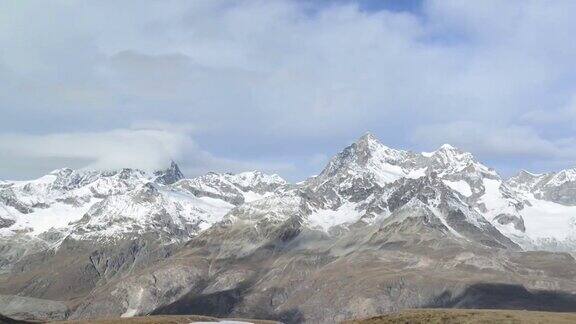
point(147, 146)
point(145, 149)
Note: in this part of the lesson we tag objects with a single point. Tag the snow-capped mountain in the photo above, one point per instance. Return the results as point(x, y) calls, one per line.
point(65, 197)
point(104, 206)
point(356, 187)
point(368, 182)
point(97, 229)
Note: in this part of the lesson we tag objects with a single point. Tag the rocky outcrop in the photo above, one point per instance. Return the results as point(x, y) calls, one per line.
point(168, 176)
point(25, 308)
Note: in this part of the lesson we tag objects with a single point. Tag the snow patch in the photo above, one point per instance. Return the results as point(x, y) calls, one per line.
point(417, 173)
point(250, 196)
point(130, 312)
point(546, 219)
point(493, 199)
point(460, 186)
point(58, 216)
point(327, 218)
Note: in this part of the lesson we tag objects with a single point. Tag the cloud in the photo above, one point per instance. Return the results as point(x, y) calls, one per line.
point(144, 149)
point(271, 83)
point(565, 114)
point(147, 146)
point(496, 141)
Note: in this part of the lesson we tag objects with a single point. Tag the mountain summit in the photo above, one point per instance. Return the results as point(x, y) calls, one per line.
point(170, 175)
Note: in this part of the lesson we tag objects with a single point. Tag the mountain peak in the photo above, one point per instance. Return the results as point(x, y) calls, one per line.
point(448, 159)
point(367, 137)
point(527, 173)
point(448, 147)
point(256, 178)
point(169, 175)
point(367, 157)
point(524, 181)
point(450, 152)
point(370, 145)
point(567, 175)
point(61, 171)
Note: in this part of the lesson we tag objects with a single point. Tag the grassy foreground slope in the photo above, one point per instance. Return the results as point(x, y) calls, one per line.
point(468, 316)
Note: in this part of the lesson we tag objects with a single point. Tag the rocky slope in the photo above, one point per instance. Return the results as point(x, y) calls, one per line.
point(378, 229)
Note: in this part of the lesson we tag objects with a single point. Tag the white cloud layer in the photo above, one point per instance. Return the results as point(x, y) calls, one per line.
point(510, 141)
point(270, 81)
point(147, 149)
point(144, 149)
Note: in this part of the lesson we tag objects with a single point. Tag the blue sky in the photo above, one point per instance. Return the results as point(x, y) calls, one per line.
point(283, 85)
point(412, 6)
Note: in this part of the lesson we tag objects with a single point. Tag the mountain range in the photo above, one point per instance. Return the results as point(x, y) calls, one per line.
point(379, 229)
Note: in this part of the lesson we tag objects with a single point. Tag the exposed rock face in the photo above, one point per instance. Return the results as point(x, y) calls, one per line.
point(4, 222)
point(8, 198)
point(377, 230)
point(79, 266)
point(282, 270)
point(505, 219)
point(168, 176)
point(25, 308)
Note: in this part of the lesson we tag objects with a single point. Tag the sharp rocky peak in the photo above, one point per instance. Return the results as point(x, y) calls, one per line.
point(61, 172)
point(524, 176)
point(449, 153)
point(367, 149)
point(448, 159)
point(369, 155)
point(368, 138)
point(169, 175)
point(369, 146)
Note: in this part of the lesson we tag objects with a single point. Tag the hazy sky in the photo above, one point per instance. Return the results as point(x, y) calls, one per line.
point(283, 85)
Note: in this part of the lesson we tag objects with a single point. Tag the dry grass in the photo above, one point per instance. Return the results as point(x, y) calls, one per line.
point(469, 316)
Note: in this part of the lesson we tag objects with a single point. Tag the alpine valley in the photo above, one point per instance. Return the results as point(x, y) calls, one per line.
point(378, 230)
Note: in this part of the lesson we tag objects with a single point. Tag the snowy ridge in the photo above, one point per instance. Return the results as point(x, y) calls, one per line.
point(563, 177)
point(147, 209)
point(524, 182)
point(107, 205)
point(232, 188)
